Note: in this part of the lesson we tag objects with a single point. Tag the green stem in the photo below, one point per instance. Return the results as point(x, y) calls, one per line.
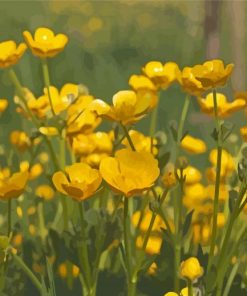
point(217, 181)
point(178, 199)
point(128, 136)
point(28, 272)
point(190, 288)
point(9, 217)
point(46, 76)
point(153, 123)
point(230, 279)
point(84, 250)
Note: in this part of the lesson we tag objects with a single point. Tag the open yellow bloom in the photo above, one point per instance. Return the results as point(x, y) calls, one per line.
point(45, 192)
point(243, 132)
point(193, 145)
point(34, 171)
point(80, 181)
point(145, 222)
point(194, 195)
point(225, 108)
point(128, 107)
point(10, 53)
point(212, 73)
point(20, 140)
point(48, 131)
point(93, 148)
point(162, 75)
point(130, 172)
point(3, 105)
point(153, 245)
point(191, 269)
point(193, 175)
point(201, 233)
point(189, 83)
point(12, 186)
point(141, 142)
point(45, 43)
point(80, 117)
point(171, 294)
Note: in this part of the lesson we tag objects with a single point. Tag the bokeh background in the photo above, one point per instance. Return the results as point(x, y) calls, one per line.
point(111, 40)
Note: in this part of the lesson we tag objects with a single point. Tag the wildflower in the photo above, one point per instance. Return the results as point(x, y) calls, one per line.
point(10, 53)
point(194, 195)
point(20, 140)
point(45, 192)
point(243, 132)
point(192, 175)
point(145, 222)
point(169, 179)
point(130, 172)
point(201, 233)
point(62, 270)
point(223, 192)
point(212, 73)
point(48, 130)
point(80, 117)
point(153, 245)
point(3, 105)
point(162, 75)
point(171, 294)
point(152, 269)
point(34, 171)
point(92, 148)
point(80, 181)
point(45, 43)
point(193, 145)
point(224, 107)
point(12, 186)
point(221, 220)
point(189, 83)
point(141, 142)
point(191, 269)
point(128, 107)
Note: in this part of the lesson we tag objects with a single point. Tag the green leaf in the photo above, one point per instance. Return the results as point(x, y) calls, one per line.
point(163, 159)
point(187, 222)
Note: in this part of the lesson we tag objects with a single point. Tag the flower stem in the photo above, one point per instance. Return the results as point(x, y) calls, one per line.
point(9, 217)
point(85, 266)
point(46, 76)
point(190, 288)
point(153, 124)
point(217, 181)
point(28, 272)
point(128, 136)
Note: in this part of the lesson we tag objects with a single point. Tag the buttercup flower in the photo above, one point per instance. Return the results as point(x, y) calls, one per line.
point(194, 195)
point(153, 245)
point(191, 269)
point(189, 83)
point(12, 186)
point(169, 178)
point(10, 53)
point(34, 171)
point(45, 192)
point(145, 222)
point(212, 73)
point(192, 174)
point(193, 145)
point(3, 105)
point(128, 107)
point(243, 132)
point(20, 140)
point(162, 75)
point(45, 43)
point(225, 108)
point(130, 172)
point(48, 130)
point(80, 181)
point(171, 294)
point(141, 142)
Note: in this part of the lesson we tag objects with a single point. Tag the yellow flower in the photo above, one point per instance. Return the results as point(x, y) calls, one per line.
point(48, 130)
point(45, 43)
point(80, 181)
point(141, 142)
point(162, 75)
point(193, 145)
point(128, 107)
point(81, 119)
point(130, 172)
point(153, 245)
point(93, 147)
point(189, 83)
point(225, 108)
point(13, 186)
point(212, 73)
point(63, 270)
point(223, 192)
point(192, 174)
point(45, 192)
point(221, 220)
point(141, 82)
point(191, 269)
point(3, 105)
point(194, 195)
point(34, 171)
point(10, 53)
point(169, 178)
point(201, 233)
point(171, 294)
point(20, 140)
point(243, 132)
point(145, 222)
